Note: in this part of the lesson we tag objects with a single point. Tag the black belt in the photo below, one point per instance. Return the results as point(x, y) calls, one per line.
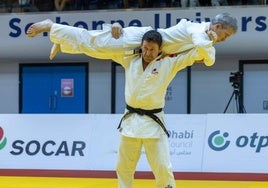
point(150, 113)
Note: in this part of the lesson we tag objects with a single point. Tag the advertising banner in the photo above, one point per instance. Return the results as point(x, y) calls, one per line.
point(236, 143)
point(226, 143)
point(88, 142)
point(44, 141)
point(186, 141)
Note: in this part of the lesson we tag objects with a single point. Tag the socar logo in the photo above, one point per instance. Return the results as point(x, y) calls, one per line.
point(3, 139)
point(217, 141)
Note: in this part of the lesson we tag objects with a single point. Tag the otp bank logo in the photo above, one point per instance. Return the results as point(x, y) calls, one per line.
point(3, 139)
point(217, 141)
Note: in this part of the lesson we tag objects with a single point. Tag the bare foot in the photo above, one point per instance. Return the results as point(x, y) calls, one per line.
point(54, 51)
point(39, 27)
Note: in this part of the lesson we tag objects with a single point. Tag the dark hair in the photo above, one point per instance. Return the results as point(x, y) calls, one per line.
point(152, 36)
point(226, 20)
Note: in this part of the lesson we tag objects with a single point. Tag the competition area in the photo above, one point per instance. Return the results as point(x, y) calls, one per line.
point(48, 182)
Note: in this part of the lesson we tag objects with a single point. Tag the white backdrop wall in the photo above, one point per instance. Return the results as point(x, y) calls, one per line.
point(9, 84)
point(99, 87)
point(210, 87)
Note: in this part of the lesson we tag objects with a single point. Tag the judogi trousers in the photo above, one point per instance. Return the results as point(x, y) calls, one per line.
point(158, 156)
point(96, 43)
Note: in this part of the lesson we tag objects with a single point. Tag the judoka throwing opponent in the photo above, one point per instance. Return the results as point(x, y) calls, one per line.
point(103, 44)
point(147, 76)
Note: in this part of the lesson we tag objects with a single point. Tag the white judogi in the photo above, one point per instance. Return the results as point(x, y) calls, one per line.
point(144, 89)
point(182, 37)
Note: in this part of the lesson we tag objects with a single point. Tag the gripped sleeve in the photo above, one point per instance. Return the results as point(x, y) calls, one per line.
point(202, 43)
